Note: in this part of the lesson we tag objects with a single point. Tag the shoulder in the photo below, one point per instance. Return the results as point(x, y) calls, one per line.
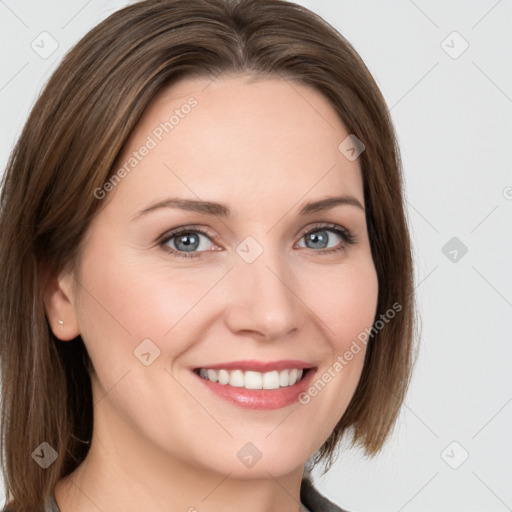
point(313, 500)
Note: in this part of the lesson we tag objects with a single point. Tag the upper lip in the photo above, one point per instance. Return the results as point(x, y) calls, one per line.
point(259, 366)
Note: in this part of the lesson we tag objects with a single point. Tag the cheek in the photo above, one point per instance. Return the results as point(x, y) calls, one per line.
point(347, 302)
point(124, 302)
point(348, 316)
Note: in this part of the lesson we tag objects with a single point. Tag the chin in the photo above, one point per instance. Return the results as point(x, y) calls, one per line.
point(251, 460)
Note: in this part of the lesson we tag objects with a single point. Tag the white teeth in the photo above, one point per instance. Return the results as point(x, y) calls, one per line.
point(271, 380)
point(223, 377)
point(253, 380)
point(236, 378)
point(212, 375)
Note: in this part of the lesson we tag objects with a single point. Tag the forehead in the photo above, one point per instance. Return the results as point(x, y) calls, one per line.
point(236, 137)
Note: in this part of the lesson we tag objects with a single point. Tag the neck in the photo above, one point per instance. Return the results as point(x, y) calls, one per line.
point(123, 471)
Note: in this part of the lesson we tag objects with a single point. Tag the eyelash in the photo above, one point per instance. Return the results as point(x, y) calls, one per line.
point(348, 238)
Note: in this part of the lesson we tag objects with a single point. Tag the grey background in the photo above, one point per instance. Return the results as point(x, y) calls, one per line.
point(453, 115)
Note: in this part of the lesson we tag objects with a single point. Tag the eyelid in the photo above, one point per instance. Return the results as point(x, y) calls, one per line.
point(349, 237)
point(176, 231)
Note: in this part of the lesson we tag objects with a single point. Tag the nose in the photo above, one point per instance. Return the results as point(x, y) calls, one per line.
point(262, 298)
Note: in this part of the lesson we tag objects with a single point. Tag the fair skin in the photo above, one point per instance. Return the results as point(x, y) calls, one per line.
point(162, 440)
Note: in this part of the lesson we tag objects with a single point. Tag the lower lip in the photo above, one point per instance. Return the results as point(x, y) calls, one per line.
point(260, 399)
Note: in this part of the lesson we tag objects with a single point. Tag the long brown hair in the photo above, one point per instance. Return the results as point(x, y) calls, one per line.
point(68, 149)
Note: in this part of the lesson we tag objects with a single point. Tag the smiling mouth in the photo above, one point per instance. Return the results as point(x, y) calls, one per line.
point(248, 379)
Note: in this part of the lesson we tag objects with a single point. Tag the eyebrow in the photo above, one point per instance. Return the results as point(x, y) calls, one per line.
point(221, 210)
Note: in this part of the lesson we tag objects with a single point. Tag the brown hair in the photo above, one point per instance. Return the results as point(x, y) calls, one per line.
point(68, 148)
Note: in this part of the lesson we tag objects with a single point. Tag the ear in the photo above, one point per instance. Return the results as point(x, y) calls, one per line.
point(59, 302)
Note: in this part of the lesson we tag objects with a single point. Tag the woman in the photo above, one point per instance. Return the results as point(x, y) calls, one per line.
point(206, 265)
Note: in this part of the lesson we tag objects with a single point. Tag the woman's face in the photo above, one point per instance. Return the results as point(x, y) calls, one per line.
point(264, 283)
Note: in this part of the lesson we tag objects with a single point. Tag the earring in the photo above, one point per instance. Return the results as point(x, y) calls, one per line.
point(61, 323)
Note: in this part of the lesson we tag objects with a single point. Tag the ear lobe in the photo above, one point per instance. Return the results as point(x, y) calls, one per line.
point(59, 305)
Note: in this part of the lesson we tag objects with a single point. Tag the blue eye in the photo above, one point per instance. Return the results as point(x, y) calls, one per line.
point(186, 242)
point(319, 238)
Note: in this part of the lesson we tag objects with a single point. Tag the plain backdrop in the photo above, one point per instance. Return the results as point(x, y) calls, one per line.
point(445, 71)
